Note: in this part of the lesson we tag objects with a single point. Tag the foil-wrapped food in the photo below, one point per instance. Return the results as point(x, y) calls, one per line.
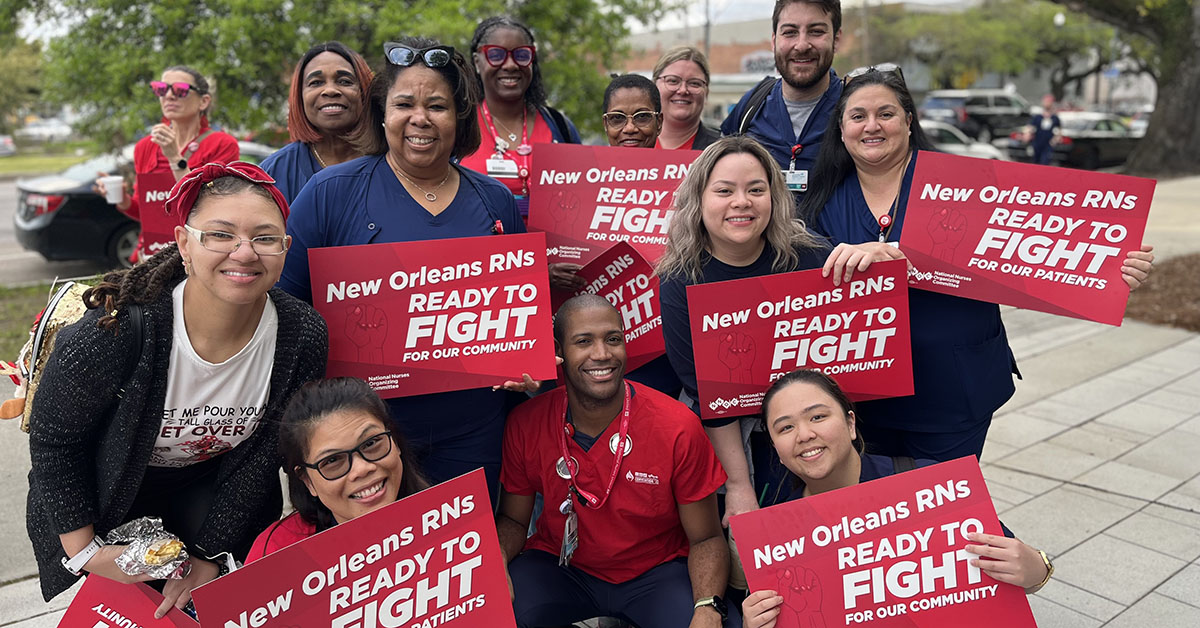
point(150, 549)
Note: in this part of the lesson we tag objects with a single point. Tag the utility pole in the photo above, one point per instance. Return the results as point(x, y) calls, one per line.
point(707, 28)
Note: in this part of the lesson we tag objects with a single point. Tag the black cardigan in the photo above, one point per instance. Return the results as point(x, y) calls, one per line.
point(96, 416)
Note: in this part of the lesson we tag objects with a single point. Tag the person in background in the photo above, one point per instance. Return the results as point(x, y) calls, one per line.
point(1044, 131)
point(181, 141)
point(682, 78)
point(325, 106)
point(327, 424)
point(815, 433)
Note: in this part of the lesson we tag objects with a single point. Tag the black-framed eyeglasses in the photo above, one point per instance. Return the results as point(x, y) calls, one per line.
point(337, 464)
point(180, 89)
point(884, 68)
point(642, 119)
point(227, 243)
point(674, 82)
point(496, 55)
point(404, 56)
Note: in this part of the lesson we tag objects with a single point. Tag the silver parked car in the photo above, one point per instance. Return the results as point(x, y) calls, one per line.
point(949, 139)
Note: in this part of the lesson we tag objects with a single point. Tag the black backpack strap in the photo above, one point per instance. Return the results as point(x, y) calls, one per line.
point(757, 97)
point(560, 123)
point(137, 324)
point(903, 463)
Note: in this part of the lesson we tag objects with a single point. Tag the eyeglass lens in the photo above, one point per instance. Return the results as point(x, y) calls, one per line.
point(337, 465)
point(496, 55)
point(617, 119)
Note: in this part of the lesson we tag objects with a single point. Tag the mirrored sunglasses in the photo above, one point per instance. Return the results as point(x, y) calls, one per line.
point(404, 56)
point(883, 68)
point(181, 90)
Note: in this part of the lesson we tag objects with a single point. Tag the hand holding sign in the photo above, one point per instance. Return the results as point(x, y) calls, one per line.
point(1008, 560)
point(1137, 266)
point(845, 259)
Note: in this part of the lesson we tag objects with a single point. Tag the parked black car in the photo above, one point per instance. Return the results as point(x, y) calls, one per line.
point(983, 114)
point(1089, 141)
point(61, 217)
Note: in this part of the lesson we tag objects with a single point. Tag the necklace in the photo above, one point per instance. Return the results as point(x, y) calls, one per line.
point(429, 196)
point(512, 137)
point(317, 155)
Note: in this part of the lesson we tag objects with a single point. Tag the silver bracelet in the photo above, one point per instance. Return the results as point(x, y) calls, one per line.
point(76, 563)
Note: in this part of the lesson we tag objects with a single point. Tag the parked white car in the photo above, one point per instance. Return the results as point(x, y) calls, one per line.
point(949, 139)
point(48, 130)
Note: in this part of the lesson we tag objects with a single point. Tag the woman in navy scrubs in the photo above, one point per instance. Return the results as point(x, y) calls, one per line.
point(962, 366)
point(420, 114)
point(325, 106)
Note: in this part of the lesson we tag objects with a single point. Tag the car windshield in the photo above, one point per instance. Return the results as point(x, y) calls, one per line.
point(1077, 124)
point(942, 102)
point(108, 162)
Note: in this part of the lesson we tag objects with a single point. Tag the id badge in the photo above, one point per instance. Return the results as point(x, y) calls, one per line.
point(797, 180)
point(570, 540)
point(501, 168)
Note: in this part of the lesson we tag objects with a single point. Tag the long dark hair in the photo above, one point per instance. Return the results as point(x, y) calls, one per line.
point(300, 129)
point(145, 282)
point(308, 407)
point(535, 94)
point(820, 380)
point(833, 161)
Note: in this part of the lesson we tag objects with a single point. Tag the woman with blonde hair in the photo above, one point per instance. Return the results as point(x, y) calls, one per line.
point(682, 78)
point(734, 219)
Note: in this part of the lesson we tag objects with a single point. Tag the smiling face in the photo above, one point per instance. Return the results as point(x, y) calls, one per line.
point(593, 353)
point(875, 128)
point(368, 485)
point(331, 93)
point(812, 434)
point(804, 43)
point(242, 277)
point(182, 109)
point(419, 121)
point(736, 206)
point(682, 105)
point(508, 82)
point(629, 101)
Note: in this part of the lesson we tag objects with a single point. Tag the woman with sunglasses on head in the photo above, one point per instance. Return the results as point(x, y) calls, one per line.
point(343, 456)
point(815, 434)
point(180, 142)
point(420, 115)
point(734, 219)
point(164, 399)
point(325, 107)
point(682, 78)
point(962, 365)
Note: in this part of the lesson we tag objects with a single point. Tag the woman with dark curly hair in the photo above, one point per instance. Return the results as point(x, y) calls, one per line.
point(164, 400)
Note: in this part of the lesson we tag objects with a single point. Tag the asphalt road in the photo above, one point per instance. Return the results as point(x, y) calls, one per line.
point(21, 267)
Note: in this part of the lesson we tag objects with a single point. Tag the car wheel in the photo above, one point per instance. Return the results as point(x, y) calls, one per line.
point(122, 245)
point(985, 135)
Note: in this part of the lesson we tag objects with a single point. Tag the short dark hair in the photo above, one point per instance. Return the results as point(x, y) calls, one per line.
point(576, 304)
point(633, 81)
point(369, 137)
point(832, 7)
point(300, 129)
point(535, 94)
point(307, 408)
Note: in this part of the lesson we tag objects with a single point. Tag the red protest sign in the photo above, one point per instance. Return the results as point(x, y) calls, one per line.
point(430, 559)
point(587, 198)
point(158, 229)
point(626, 279)
point(748, 332)
point(1040, 238)
point(887, 553)
point(420, 317)
point(104, 603)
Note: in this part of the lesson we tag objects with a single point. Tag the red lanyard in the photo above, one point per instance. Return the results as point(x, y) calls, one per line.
point(571, 464)
point(795, 151)
point(524, 173)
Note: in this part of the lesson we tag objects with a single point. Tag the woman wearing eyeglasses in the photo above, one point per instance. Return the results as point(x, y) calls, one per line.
point(164, 400)
point(420, 114)
point(325, 105)
point(181, 141)
point(682, 78)
point(962, 365)
point(343, 456)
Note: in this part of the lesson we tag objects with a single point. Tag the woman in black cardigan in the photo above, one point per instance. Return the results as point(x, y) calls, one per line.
point(184, 426)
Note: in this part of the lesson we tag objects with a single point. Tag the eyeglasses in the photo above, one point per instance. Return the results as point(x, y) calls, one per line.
point(642, 119)
point(884, 68)
point(222, 242)
point(337, 464)
point(181, 90)
point(674, 82)
point(496, 55)
point(404, 56)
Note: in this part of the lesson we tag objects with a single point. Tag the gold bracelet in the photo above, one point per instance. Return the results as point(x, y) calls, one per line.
point(1049, 569)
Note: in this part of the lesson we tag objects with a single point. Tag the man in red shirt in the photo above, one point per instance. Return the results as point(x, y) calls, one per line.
point(629, 479)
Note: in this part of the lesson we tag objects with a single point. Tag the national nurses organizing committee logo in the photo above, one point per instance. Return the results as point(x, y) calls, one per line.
point(915, 275)
point(723, 404)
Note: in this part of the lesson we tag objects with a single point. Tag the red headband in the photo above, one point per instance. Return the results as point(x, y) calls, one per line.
point(183, 196)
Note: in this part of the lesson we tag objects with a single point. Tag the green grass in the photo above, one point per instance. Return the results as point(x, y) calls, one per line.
point(37, 164)
point(18, 306)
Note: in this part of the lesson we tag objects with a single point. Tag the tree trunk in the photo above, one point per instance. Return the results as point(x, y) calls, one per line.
point(1172, 142)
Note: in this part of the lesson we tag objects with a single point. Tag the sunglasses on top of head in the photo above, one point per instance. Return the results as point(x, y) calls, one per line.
point(496, 55)
point(181, 90)
point(882, 68)
point(404, 56)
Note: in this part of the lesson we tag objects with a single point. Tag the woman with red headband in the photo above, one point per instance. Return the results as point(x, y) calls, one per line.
point(164, 399)
point(181, 141)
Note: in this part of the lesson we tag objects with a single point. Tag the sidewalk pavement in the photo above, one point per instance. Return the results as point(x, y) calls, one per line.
point(1096, 460)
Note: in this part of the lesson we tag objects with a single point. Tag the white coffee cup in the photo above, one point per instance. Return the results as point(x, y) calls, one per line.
point(114, 188)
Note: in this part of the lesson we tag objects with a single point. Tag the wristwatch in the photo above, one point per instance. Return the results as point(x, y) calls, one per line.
point(181, 164)
point(1049, 569)
point(717, 603)
point(76, 562)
